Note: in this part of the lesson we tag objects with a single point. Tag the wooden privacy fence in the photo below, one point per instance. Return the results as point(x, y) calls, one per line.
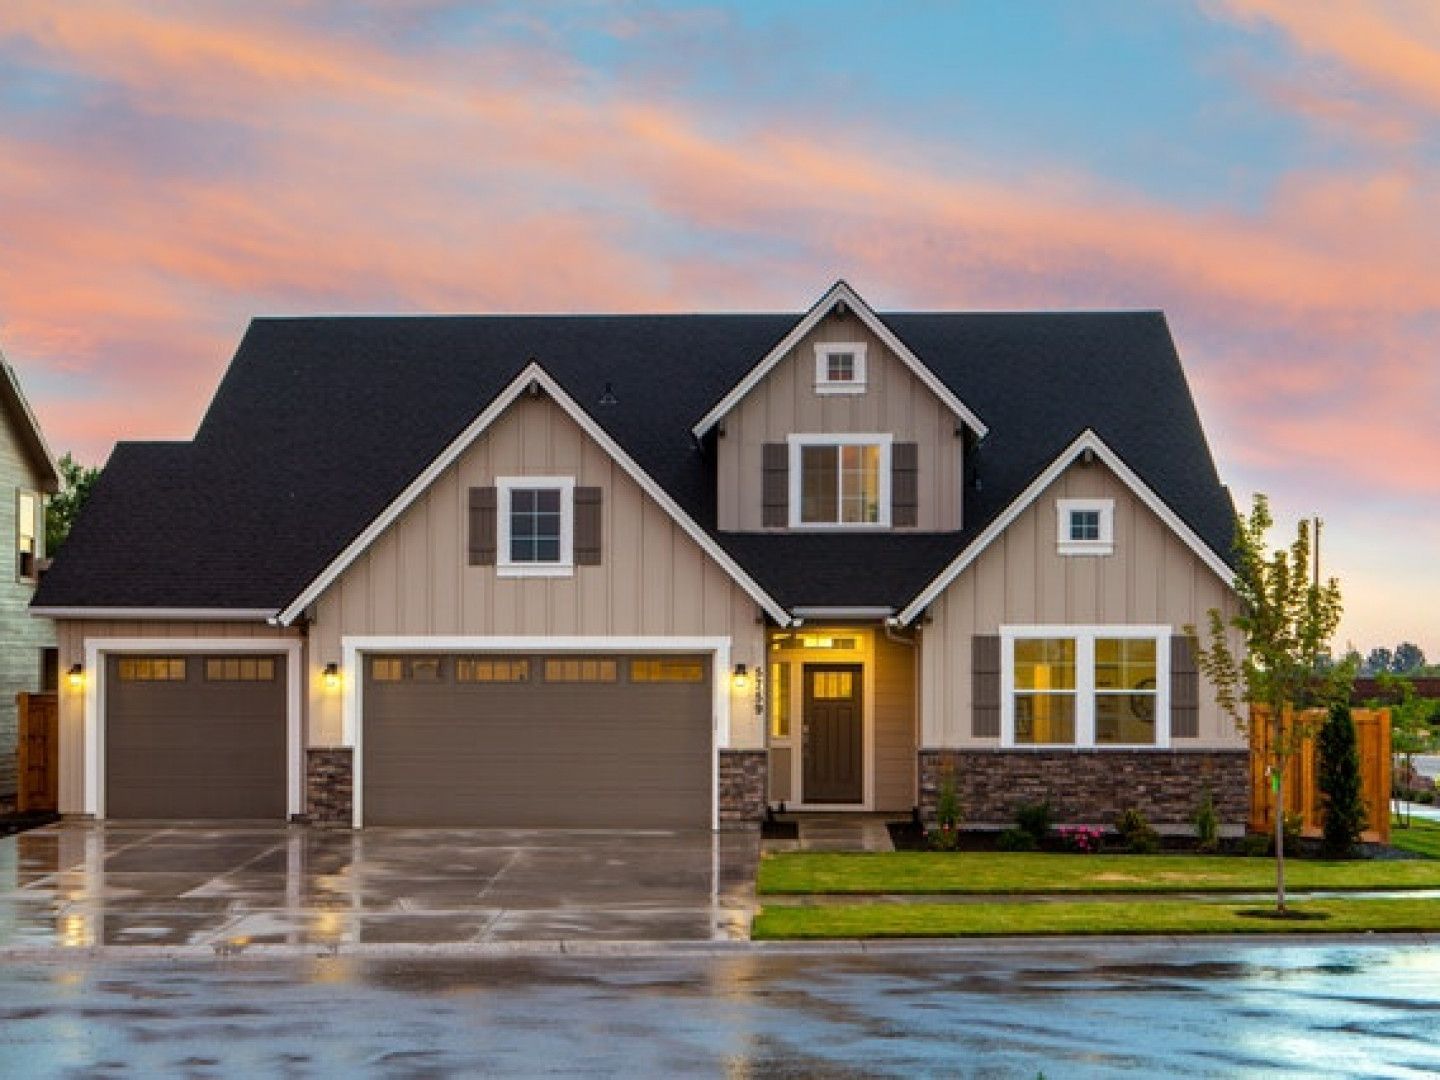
point(39, 749)
point(1302, 773)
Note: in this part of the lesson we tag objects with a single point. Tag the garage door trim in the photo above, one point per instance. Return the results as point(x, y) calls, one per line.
point(354, 651)
point(99, 650)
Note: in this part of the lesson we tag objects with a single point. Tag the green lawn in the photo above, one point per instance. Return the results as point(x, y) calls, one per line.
point(1085, 917)
point(1421, 838)
point(1032, 872)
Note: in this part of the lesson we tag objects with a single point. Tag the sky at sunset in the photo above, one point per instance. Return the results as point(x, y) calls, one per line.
point(1266, 171)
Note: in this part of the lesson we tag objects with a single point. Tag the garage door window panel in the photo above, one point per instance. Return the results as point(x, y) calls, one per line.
point(488, 670)
point(151, 669)
point(580, 670)
point(238, 669)
point(667, 670)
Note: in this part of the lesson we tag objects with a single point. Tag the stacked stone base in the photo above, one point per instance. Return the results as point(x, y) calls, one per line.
point(744, 786)
point(1090, 787)
point(329, 785)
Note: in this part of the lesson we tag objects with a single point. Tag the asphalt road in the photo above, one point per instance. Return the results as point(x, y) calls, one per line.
point(1124, 1010)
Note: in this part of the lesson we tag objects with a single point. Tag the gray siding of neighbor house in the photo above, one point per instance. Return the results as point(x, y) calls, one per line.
point(785, 403)
point(652, 579)
point(1152, 578)
point(22, 637)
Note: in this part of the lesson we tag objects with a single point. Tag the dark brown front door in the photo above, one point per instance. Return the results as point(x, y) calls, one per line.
point(834, 734)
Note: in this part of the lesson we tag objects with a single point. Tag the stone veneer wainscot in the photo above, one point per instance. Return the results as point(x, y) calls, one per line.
point(1090, 786)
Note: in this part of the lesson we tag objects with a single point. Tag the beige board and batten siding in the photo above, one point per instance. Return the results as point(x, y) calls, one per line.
point(895, 728)
point(72, 635)
point(785, 403)
point(1152, 578)
point(653, 580)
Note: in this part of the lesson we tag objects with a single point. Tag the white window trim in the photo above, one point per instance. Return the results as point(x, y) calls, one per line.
point(797, 442)
point(1084, 637)
point(1105, 545)
point(565, 566)
point(823, 382)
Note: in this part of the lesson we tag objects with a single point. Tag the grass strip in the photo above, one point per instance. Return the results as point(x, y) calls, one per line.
point(1018, 873)
point(1088, 917)
point(1421, 838)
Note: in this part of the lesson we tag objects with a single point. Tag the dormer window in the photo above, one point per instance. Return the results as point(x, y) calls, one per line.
point(840, 367)
point(1085, 526)
point(840, 481)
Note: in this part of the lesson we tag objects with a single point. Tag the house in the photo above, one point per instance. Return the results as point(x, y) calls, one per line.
point(27, 645)
point(656, 570)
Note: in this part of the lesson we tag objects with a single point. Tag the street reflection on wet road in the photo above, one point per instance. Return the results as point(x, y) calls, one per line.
point(1129, 1009)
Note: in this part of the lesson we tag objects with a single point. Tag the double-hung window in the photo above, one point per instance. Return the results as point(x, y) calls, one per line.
point(839, 481)
point(535, 525)
point(1084, 686)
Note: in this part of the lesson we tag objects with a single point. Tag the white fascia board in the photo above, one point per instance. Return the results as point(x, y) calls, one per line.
point(143, 613)
point(1087, 440)
point(533, 374)
point(844, 612)
point(838, 292)
point(27, 414)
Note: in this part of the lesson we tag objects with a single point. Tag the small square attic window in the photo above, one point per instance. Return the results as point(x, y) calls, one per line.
point(840, 367)
point(1085, 526)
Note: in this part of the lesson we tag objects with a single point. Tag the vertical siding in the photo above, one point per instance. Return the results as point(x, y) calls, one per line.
point(895, 728)
point(72, 634)
point(785, 403)
point(1151, 578)
point(653, 580)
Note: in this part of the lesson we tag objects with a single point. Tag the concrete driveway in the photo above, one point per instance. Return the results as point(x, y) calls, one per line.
point(233, 887)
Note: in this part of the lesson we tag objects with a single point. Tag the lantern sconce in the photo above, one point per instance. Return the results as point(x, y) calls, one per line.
point(741, 678)
point(76, 677)
point(332, 676)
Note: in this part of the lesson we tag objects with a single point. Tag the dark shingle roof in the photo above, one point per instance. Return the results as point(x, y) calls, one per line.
point(320, 422)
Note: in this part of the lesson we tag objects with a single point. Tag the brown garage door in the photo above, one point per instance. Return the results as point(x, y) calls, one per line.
point(528, 741)
point(195, 737)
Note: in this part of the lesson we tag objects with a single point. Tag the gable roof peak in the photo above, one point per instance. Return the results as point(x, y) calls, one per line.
point(839, 293)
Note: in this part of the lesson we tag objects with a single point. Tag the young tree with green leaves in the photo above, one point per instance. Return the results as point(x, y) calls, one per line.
point(1410, 730)
point(76, 480)
point(1285, 622)
point(1342, 797)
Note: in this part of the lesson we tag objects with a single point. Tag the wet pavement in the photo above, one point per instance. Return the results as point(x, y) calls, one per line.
point(1112, 1009)
point(79, 885)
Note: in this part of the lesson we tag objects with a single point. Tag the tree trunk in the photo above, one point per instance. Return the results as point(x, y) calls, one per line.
point(1280, 839)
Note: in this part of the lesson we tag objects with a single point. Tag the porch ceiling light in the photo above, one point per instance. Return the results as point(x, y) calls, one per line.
point(332, 676)
point(76, 676)
point(740, 679)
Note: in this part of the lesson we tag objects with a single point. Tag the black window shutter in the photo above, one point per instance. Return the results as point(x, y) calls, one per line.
point(985, 686)
point(588, 523)
point(1184, 689)
point(776, 486)
point(482, 526)
point(904, 484)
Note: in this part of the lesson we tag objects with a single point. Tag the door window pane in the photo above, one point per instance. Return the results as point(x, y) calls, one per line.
point(832, 685)
point(779, 701)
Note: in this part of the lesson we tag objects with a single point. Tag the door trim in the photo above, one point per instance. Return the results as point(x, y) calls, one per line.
point(354, 647)
point(862, 669)
point(864, 655)
point(97, 650)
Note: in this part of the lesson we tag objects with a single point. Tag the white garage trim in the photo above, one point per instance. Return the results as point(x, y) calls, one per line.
point(353, 650)
point(98, 649)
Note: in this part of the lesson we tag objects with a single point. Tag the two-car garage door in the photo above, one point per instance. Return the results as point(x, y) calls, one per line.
point(601, 741)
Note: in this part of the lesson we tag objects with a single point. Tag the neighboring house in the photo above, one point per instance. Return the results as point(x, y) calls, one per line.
point(27, 645)
point(657, 570)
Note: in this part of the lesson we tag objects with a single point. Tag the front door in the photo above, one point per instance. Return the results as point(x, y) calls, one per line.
point(834, 750)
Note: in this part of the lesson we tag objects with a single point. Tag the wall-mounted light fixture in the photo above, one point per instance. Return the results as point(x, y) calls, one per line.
point(740, 679)
point(76, 676)
point(332, 676)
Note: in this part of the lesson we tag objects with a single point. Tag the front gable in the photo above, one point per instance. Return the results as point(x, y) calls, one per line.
point(840, 376)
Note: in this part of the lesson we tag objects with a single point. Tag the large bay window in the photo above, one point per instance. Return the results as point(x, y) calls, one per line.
point(1084, 686)
point(839, 481)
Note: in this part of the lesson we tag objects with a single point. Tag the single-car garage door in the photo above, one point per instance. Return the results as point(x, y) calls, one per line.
point(192, 736)
point(531, 741)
